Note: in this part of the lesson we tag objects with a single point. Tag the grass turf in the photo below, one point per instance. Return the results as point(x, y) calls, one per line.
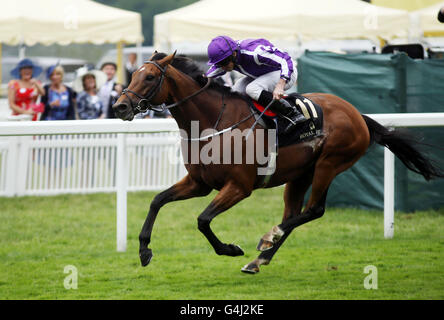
point(324, 259)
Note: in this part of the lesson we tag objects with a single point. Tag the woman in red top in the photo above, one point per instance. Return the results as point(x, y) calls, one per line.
point(23, 92)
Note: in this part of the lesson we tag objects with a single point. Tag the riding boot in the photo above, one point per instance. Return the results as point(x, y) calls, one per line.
point(284, 109)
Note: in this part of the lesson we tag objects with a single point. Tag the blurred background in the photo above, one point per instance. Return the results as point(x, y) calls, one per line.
point(383, 56)
point(191, 27)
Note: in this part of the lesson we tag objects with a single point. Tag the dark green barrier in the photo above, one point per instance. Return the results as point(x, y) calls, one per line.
point(376, 83)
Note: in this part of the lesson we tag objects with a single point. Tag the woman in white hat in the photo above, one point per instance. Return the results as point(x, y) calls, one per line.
point(89, 105)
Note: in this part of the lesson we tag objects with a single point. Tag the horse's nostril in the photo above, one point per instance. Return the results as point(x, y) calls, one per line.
point(121, 107)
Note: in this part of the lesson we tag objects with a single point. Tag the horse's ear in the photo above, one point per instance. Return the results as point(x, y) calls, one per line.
point(154, 53)
point(168, 59)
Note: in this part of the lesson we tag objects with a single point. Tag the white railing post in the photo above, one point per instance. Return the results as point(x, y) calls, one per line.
point(12, 167)
point(389, 193)
point(121, 185)
point(22, 168)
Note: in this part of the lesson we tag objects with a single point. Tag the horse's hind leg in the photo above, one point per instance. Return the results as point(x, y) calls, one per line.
point(185, 189)
point(294, 197)
point(228, 196)
point(326, 169)
point(315, 208)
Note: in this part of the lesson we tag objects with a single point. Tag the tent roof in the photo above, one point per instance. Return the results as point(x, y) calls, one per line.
point(410, 5)
point(287, 20)
point(67, 21)
point(428, 20)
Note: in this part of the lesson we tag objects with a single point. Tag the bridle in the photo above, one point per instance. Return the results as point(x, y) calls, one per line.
point(144, 103)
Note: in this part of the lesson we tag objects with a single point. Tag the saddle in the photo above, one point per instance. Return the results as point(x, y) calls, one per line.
point(304, 131)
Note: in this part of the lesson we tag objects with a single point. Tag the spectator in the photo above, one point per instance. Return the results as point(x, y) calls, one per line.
point(111, 90)
point(59, 99)
point(89, 105)
point(23, 92)
point(130, 67)
point(441, 15)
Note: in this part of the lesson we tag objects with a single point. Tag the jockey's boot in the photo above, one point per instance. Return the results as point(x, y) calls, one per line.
point(284, 109)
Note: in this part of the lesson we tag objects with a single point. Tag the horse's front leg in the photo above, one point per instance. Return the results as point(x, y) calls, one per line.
point(185, 189)
point(228, 196)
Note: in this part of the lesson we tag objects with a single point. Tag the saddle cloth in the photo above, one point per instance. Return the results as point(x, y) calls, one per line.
point(304, 131)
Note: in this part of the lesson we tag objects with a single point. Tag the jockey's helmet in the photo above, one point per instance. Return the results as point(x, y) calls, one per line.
point(220, 48)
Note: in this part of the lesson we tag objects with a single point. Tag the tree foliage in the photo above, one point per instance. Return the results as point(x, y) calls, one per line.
point(148, 9)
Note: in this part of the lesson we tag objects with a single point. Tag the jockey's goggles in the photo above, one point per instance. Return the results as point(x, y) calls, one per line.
point(224, 62)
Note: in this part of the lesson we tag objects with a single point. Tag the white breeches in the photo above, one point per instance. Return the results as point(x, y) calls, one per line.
point(267, 82)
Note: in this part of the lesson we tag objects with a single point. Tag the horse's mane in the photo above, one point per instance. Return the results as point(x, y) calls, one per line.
point(193, 70)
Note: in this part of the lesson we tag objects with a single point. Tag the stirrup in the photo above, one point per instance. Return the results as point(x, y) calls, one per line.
point(291, 127)
point(294, 119)
point(299, 117)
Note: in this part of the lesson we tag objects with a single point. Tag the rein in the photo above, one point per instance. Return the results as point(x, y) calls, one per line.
point(144, 103)
point(165, 107)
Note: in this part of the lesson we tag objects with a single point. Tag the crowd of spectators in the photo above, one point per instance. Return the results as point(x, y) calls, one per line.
point(91, 96)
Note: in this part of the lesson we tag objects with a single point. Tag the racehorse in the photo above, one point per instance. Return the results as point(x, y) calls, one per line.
point(347, 134)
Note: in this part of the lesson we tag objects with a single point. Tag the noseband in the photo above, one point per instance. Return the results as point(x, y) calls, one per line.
point(145, 102)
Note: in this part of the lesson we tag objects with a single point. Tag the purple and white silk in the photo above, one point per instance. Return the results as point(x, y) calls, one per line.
point(257, 57)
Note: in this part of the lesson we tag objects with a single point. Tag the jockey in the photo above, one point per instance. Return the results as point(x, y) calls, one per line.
point(268, 72)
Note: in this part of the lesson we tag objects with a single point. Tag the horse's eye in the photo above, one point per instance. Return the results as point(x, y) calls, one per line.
point(149, 77)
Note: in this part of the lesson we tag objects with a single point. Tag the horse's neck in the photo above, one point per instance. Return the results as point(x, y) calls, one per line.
point(206, 108)
point(195, 109)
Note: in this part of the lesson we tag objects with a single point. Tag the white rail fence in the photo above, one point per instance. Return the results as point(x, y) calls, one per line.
point(43, 158)
point(86, 163)
point(399, 120)
point(53, 157)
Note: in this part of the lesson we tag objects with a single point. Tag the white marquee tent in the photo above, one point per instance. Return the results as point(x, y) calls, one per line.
point(279, 20)
point(428, 22)
point(67, 21)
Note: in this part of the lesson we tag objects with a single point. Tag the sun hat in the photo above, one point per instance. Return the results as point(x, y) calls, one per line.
point(99, 75)
point(26, 63)
point(220, 48)
point(51, 69)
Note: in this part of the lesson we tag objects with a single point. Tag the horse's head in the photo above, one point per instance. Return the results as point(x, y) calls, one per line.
point(145, 90)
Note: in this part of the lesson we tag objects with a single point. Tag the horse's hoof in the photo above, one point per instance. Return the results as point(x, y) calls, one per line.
point(145, 256)
point(250, 268)
point(264, 245)
point(269, 239)
point(235, 250)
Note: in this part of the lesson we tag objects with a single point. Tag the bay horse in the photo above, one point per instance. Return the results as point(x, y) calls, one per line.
point(347, 134)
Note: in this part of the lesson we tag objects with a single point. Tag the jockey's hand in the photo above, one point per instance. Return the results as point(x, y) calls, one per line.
point(278, 92)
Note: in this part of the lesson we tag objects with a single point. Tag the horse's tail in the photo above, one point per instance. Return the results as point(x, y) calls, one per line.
point(405, 146)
